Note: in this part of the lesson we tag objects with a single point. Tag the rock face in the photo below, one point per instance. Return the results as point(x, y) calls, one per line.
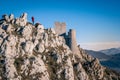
point(29, 52)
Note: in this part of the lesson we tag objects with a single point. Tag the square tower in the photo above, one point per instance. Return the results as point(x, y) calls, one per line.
point(60, 28)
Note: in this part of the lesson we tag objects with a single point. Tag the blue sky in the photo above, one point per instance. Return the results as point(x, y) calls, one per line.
point(97, 22)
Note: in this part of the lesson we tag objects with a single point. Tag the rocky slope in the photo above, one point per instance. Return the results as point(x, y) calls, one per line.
point(30, 52)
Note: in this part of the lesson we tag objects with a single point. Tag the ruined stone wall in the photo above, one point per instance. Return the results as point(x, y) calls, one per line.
point(60, 28)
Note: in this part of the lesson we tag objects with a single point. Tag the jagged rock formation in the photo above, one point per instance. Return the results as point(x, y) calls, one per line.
point(30, 52)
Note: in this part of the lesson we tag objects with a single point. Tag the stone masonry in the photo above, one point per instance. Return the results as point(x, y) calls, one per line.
point(60, 28)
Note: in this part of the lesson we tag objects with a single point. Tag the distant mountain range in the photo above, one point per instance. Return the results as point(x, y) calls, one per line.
point(109, 57)
point(113, 62)
point(111, 51)
point(98, 54)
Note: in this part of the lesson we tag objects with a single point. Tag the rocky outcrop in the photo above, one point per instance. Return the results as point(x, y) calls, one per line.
point(31, 52)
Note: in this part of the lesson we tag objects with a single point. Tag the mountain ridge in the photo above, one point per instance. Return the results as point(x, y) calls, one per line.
point(110, 61)
point(31, 52)
point(111, 51)
point(98, 54)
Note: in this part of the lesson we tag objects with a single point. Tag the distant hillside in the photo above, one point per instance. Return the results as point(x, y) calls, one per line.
point(110, 61)
point(113, 62)
point(97, 54)
point(111, 51)
point(116, 56)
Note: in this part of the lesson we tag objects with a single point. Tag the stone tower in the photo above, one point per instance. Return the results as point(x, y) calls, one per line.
point(60, 28)
point(72, 41)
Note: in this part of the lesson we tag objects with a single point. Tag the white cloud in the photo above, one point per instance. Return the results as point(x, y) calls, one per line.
point(100, 45)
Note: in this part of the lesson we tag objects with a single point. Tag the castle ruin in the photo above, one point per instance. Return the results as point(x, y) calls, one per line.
point(60, 28)
point(70, 38)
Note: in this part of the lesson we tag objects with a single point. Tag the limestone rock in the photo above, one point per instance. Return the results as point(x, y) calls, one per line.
point(40, 27)
point(69, 73)
point(41, 48)
point(28, 47)
point(11, 16)
point(27, 31)
point(6, 17)
point(22, 21)
point(80, 72)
